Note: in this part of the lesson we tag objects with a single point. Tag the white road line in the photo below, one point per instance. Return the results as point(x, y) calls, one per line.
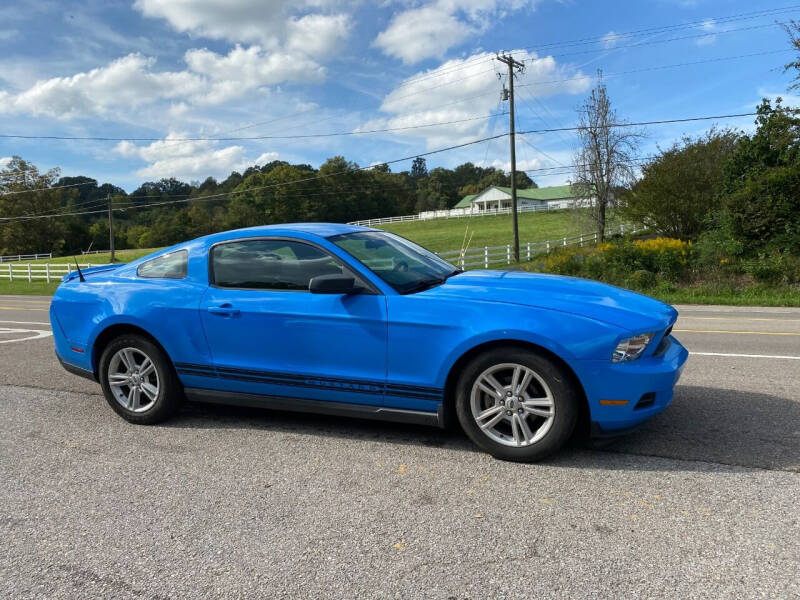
point(26, 323)
point(743, 355)
point(34, 334)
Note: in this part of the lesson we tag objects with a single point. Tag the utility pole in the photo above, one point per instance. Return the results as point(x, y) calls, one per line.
point(509, 95)
point(110, 227)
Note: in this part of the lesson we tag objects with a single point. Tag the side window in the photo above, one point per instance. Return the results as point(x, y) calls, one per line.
point(166, 266)
point(269, 264)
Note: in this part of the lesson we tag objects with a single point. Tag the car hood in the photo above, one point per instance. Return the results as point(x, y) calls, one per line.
point(591, 299)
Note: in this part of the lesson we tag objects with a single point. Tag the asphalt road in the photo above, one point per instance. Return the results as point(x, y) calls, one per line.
point(704, 502)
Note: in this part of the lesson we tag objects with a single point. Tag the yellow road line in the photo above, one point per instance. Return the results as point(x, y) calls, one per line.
point(20, 308)
point(737, 332)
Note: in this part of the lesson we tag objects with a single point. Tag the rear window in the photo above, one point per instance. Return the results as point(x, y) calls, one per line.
point(166, 266)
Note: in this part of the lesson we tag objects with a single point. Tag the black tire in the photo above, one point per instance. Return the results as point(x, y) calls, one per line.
point(170, 393)
point(562, 388)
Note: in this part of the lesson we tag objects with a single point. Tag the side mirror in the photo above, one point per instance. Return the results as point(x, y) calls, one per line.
point(334, 284)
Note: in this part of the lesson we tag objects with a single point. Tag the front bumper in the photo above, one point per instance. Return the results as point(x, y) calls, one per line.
point(622, 396)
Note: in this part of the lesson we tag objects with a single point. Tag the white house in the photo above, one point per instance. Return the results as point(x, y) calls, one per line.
point(497, 198)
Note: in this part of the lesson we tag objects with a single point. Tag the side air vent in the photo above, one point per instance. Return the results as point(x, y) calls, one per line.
point(646, 401)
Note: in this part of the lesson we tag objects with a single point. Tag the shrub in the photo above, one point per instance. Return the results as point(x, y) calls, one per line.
point(774, 268)
point(638, 264)
point(765, 212)
point(665, 258)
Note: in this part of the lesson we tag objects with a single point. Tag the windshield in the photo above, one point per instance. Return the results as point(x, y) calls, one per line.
point(404, 265)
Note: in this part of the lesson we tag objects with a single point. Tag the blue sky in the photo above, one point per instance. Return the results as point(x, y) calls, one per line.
point(226, 68)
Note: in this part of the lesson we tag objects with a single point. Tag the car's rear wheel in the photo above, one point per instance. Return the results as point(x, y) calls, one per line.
point(516, 404)
point(138, 380)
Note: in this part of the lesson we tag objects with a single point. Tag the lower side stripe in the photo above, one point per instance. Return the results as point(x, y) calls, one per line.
point(312, 382)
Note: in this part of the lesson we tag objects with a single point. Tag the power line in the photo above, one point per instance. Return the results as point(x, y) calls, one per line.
point(570, 168)
point(369, 187)
point(617, 36)
point(677, 26)
point(54, 187)
point(274, 185)
point(386, 130)
point(652, 42)
point(643, 123)
point(231, 139)
point(533, 60)
point(660, 67)
point(396, 160)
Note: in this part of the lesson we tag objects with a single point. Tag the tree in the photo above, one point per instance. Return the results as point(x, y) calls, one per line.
point(437, 191)
point(761, 188)
point(605, 158)
point(23, 192)
point(418, 168)
point(792, 29)
point(679, 190)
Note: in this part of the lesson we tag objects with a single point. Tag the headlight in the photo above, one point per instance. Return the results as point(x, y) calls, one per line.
point(631, 348)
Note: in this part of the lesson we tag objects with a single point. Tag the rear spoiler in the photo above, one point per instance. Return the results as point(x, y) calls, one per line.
point(91, 271)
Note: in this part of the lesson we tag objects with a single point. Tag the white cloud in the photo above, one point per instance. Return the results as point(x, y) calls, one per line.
point(265, 157)
point(132, 81)
point(126, 82)
point(710, 26)
point(286, 39)
point(4, 160)
point(244, 69)
point(317, 35)
point(421, 33)
point(429, 31)
point(433, 96)
point(610, 40)
point(189, 160)
point(269, 23)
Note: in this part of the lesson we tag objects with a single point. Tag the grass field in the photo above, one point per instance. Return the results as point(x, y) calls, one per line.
point(34, 288)
point(103, 258)
point(441, 235)
point(756, 295)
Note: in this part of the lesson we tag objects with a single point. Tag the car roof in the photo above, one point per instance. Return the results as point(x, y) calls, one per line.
point(318, 229)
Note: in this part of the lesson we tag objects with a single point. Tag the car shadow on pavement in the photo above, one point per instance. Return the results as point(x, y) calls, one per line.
point(722, 426)
point(703, 425)
point(201, 415)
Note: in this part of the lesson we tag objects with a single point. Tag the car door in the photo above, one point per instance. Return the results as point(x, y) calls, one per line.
point(269, 335)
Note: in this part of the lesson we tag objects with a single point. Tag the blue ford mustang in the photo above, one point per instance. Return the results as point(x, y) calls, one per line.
point(348, 320)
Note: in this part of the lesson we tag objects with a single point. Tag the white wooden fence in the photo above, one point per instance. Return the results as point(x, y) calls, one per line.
point(454, 213)
point(39, 271)
point(471, 258)
point(19, 257)
point(491, 255)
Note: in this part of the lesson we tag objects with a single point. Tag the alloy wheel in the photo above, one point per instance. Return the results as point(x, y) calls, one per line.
point(512, 405)
point(133, 379)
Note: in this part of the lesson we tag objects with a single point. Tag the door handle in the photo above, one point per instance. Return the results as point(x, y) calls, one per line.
point(225, 310)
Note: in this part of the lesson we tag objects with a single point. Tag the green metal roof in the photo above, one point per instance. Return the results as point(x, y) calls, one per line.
point(466, 201)
point(558, 192)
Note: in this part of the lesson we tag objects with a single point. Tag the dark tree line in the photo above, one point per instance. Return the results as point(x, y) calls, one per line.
point(168, 211)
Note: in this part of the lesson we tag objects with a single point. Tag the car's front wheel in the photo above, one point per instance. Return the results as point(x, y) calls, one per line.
point(138, 380)
point(516, 404)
